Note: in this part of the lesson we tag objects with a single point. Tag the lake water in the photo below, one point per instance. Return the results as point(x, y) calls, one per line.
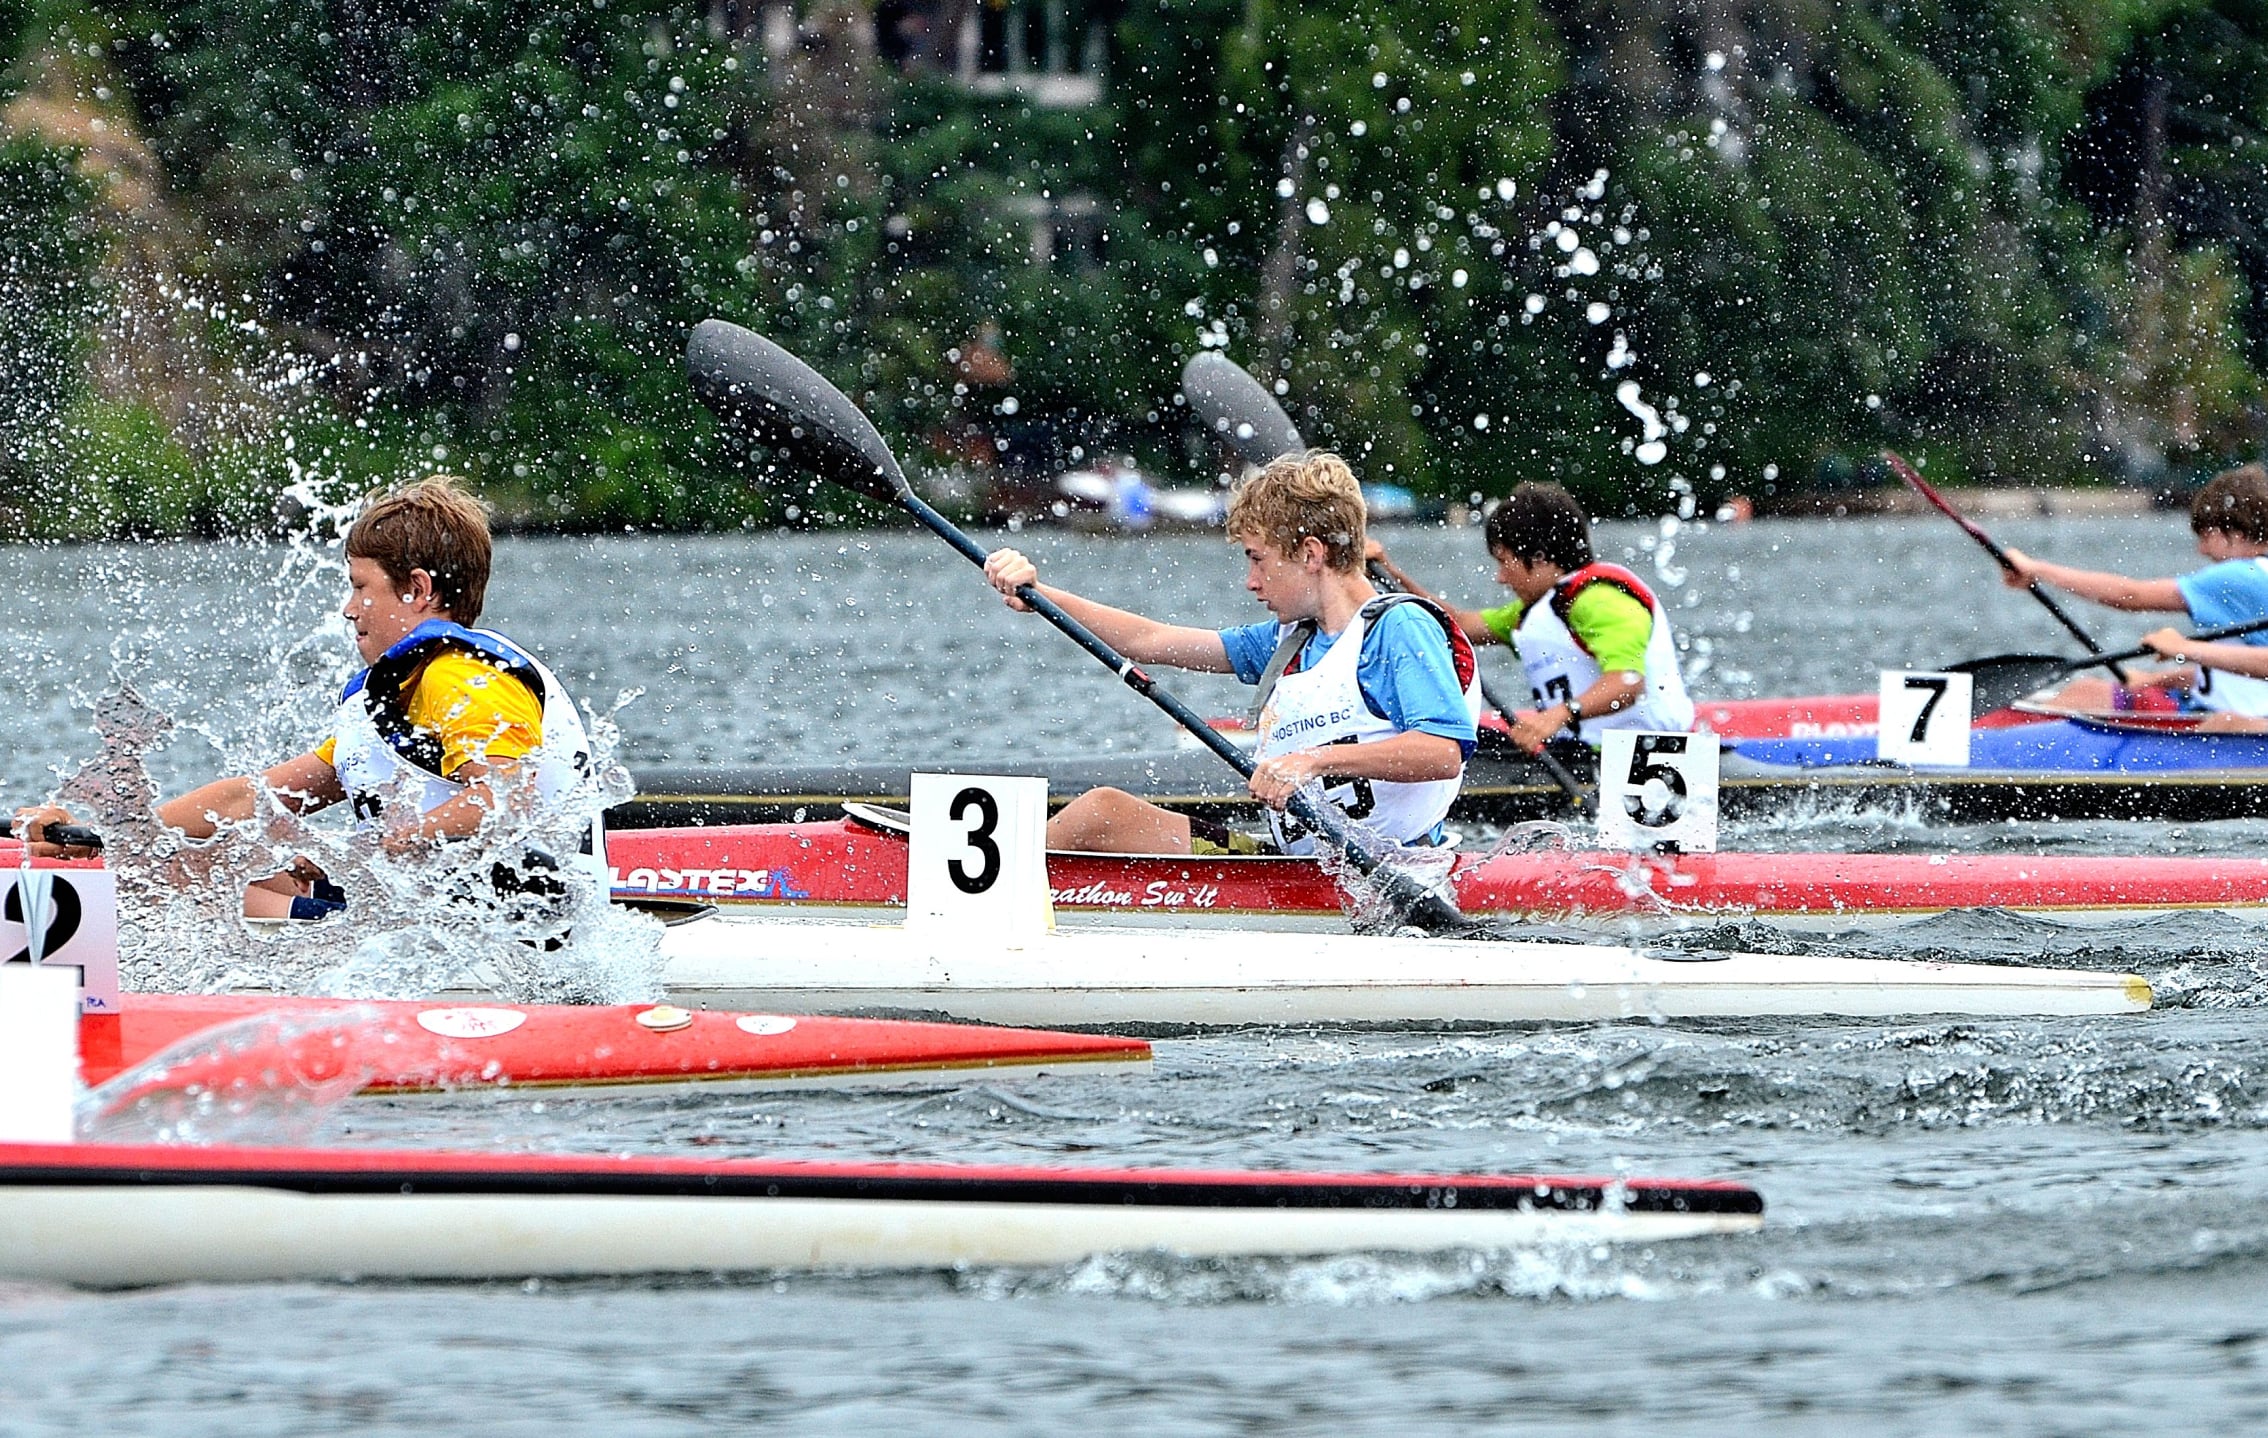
point(2022, 1227)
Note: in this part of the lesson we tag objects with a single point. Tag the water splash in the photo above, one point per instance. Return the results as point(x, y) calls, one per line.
point(271, 1079)
point(505, 909)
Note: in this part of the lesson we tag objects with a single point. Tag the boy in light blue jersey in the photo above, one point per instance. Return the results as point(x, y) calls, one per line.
point(1373, 696)
point(2230, 519)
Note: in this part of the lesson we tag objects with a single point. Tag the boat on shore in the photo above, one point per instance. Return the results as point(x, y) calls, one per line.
point(1098, 977)
point(856, 869)
point(124, 1215)
point(220, 1043)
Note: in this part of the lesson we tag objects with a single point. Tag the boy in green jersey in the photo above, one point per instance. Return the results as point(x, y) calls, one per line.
point(1592, 638)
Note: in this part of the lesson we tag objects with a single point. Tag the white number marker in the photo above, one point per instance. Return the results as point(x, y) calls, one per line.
point(64, 918)
point(1925, 718)
point(1657, 791)
point(977, 857)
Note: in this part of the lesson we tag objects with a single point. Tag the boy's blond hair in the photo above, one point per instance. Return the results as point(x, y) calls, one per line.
point(1302, 496)
point(2235, 502)
point(436, 526)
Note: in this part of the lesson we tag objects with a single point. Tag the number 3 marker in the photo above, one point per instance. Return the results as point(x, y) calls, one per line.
point(977, 857)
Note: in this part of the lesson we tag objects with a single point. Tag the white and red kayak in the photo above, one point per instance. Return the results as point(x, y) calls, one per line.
point(840, 865)
point(226, 1041)
point(141, 1214)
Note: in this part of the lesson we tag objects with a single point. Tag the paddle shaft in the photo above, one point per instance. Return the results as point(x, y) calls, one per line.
point(1975, 531)
point(1410, 897)
point(2144, 651)
point(71, 836)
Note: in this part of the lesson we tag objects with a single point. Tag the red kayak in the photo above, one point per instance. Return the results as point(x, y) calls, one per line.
point(116, 1214)
point(1818, 716)
point(421, 1047)
point(843, 863)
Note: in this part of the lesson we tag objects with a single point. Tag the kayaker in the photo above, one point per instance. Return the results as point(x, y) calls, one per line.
point(442, 712)
point(1594, 640)
point(1372, 695)
point(2230, 520)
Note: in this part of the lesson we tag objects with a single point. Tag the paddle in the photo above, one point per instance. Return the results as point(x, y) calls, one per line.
point(70, 836)
point(2005, 678)
point(778, 400)
point(1238, 409)
point(1922, 487)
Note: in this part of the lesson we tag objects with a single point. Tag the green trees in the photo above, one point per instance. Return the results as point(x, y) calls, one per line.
point(1653, 251)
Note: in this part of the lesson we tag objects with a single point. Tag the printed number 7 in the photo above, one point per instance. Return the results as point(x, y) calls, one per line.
point(1936, 685)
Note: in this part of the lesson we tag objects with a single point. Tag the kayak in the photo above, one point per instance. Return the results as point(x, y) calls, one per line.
point(116, 1215)
point(2056, 769)
point(1114, 977)
point(223, 1041)
point(837, 864)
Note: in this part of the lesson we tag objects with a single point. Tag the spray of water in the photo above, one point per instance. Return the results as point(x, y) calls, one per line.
point(506, 909)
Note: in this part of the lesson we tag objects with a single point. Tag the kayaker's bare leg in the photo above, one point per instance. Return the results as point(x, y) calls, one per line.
point(2089, 696)
point(2224, 722)
point(270, 898)
point(1112, 821)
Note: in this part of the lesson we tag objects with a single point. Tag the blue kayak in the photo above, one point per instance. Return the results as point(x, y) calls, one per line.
point(2063, 746)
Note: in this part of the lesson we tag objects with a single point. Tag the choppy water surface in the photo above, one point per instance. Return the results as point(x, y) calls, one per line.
point(1973, 1227)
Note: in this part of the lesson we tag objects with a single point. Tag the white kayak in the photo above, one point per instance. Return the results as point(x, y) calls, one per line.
point(139, 1214)
point(1099, 977)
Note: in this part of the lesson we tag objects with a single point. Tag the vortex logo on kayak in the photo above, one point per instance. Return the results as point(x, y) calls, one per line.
point(718, 884)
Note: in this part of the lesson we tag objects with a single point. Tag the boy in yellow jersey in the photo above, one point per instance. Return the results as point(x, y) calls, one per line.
point(1594, 640)
point(441, 711)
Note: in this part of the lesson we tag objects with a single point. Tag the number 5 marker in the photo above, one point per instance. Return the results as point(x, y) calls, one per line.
point(1657, 791)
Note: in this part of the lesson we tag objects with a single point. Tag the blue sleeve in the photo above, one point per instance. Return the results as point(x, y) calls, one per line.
point(1409, 676)
point(1250, 647)
point(2235, 591)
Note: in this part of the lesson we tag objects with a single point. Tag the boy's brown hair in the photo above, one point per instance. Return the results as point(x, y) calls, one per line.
point(1541, 521)
point(1298, 497)
point(433, 525)
point(2235, 502)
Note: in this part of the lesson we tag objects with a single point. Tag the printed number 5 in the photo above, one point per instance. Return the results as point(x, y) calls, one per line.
point(1644, 771)
point(1936, 685)
point(980, 839)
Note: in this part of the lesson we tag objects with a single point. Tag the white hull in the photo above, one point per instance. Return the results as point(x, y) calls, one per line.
point(1096, 977)
point(110, 1236)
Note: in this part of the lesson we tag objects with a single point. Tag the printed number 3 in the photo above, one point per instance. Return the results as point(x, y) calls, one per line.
point(980, 839)
point(1936, 685)
point(1643, 771)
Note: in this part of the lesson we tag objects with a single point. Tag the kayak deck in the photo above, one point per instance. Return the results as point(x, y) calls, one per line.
point(834, 864)
point(142, 1214)
point(1106, 977)
point(407, 1047)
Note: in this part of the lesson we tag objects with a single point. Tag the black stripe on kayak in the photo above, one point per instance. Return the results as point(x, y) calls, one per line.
point(1165, 1191)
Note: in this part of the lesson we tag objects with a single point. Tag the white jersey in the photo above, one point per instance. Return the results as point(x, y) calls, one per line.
point(1559, 667)
point(374, 744)
point(2218, 689)
point(1325, 705)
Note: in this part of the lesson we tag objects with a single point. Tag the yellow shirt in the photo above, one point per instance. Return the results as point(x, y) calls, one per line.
point(476, 710)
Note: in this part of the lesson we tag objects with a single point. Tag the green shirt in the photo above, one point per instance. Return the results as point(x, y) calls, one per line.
point(1605, 619)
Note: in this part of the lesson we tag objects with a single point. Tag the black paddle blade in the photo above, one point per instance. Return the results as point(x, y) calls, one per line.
point(776, 400)
point(1238, 408)
point(2003, 679)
